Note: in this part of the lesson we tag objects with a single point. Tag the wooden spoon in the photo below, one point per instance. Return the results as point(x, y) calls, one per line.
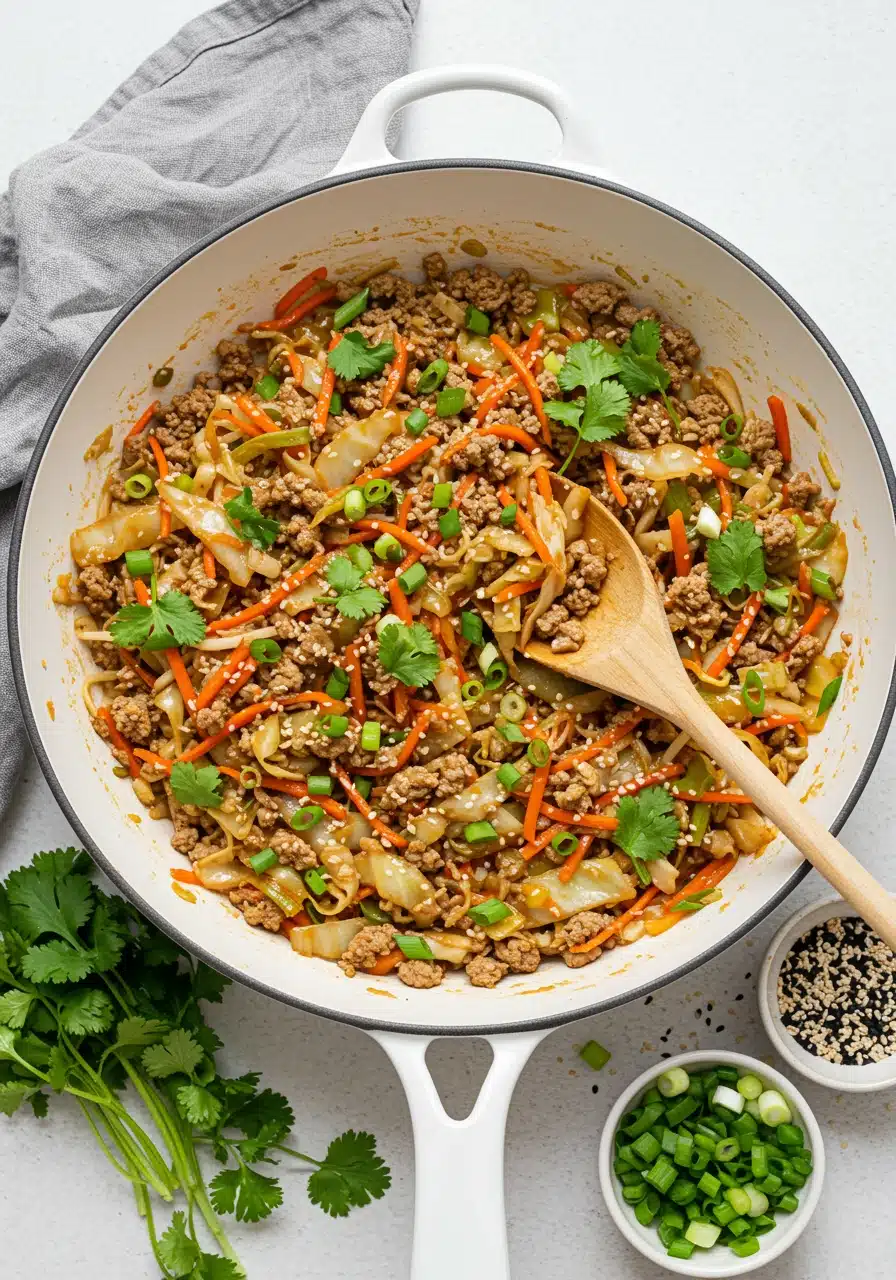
point(629, 650)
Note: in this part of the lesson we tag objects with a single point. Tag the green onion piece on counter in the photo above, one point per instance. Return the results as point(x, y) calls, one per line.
point(315, 882)
point(777, 598)
point(513, 706)
point(263, 861)
point(337, 685)
point(432, 377)
point(828, 697)
point(265, 651)
point(731, 427)
point(752, 693)
point(442, 495)
point(508, 776)
point(138, 485)
point(354, 505)
point(773, 1110)
point(476, 321)
point(673, 1082)
point(488, 655)
point(387, 547)
point(350, 310)
point(822, 585)
point(511, 732)
point(508, 515)
point(594, 1055)
point(489, 912)
point(333, 726)
point(471, 627)
point(319, 784)
point(538, 753)
point(412, 578)
point(308, 816)
point(677, 499)
point(335, 405)
point(250, 776)
point(183, 481)
point(412, 947)
point(472, 690)
point(474, 832)
point(733, 457)
point(267, 387)
point(162, 376)
point(565, 843)
point(139, 563)
point(449, 523)
point(450, 400)
point(375, 914)
point(371, 733)
point(377, 491)
point(416, 422)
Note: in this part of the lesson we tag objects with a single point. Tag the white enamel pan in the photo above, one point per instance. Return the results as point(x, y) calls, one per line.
point(562, 223)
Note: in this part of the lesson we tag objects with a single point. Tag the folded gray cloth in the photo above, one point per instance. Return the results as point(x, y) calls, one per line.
point(245, 104)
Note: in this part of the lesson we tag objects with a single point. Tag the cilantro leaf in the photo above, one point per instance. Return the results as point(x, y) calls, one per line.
point(49, 896)
point(165, 623)
point(587, 363)
point(136, 1033)
point(56, 961)
point(198, 1105)
point(342, 575)
point(213, 1267)
point(249, 1195)
point(108, 934)
point(267, 1110)
point(350, 1176)
point(639, 370)
point(606, 407)
point(569, 412)
point(353, 600)
point(14, 1006)
point(736, 559)
point(251, 526)
point(13, 1093)
point(647, 827)
point(39, 1104)
point(86, 1012)
point(409, 653)
point(178, 1252)
point(178, 1053)
point(354, 358)
point(197, 784)
point(208, 984)
point(645, 339)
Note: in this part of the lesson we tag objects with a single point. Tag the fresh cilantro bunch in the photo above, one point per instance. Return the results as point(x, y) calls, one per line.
point(736, 559)
point(352, 599)
point(248, 523)
point(355, 358)
point(647, 827)
point(409, 653)
point(167, 622)
point(93, 999)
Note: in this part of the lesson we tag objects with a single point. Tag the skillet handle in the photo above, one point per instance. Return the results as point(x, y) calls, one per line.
point(459, 1178)
point(367, 146)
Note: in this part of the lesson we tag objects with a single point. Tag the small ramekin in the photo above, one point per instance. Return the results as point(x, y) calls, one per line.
point(718, 1261)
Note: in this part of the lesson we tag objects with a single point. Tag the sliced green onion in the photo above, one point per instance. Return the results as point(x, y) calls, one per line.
point(315, 882)
point(680, 1248)
point(162, 376)
point(184, 482)
point(412, 578)
point(267, 387)
point(377, 491)
point(553, 362)
point(263, 861)
point(511, 732)
point(138, 485)
point(822, 585)
point(471, 627)
point(337, 685)
point(476, 321)
point(442, 495)
point(489, 912)
point(319, 784)
point(335, 404)
point(731, 427)
point(474, 832)
point(139, 563)
point(594, 1055)
point(371, 733)
point(449, 523)
point(724, 1096)
point(508, 515)
point(360, 557)
point(496, 675)
point(789, 1135)
point(752, 693)
point(432, 377)
point(744, 1248)
point(387, 547)
point(488, 655)
point(350, 310)
point(308, 816)
point(393, 736)
point(565, 843)
point(472, 690)
point(738, 1199)
point(354, 505)
point(250, 776)
point(333, 726)
point(708, 525)
point(416, 422)
point(829, 695)
point(450, 400)
point(374, 913)
point(538, 753)
point(265, 651)
point(312, 912)
point(732, 456)
point(773, 1110)
point(412, 947)
point(709, 1185)
point(702, 1234)
point(726, 1149)
point(508, 776)
point(750, 1086)
point(662, 1174)
point(513, 707)
point(777, 598)
point(363, 786)
point(825, 535)
point(673, 1082)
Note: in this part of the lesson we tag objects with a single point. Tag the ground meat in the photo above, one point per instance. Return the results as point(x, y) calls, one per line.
point(485, 971)
point(187, 413)
point(95, 584)
point(286, 677)
point(598, 296)
point(434, 266)
point(365, 948)
point(298, 491)
point(388, 285)
point(705, 414)
point(485, 454)
point(420, 973)
point(778, 535)
point(648, 424)
point(587, 567)
point(481, 505)
point(681, 352)
point(186, 834)
point(375, 674)
point(569, 638)
point(759, 440)
point(582, 927)
point(805, 649)
point(258, 910)
point(299, 535)
point(690, 605)
point(237, 369)
point(551, 620)
point(292, 850)
point(571, 788)
point(132, 717)
point(423, 856)
point(482, 286)
point(522, 299)
point(314, 644)
point(520, 953)
point(445, 776)
point(750, 654)
point(802, 490)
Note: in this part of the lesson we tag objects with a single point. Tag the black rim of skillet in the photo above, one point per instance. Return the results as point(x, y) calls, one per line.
point(218, 961)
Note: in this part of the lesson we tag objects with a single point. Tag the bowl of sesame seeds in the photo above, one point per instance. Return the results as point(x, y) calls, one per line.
point(827, 996)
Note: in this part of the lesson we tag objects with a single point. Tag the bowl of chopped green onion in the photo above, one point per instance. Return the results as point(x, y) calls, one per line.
point(713, 1165)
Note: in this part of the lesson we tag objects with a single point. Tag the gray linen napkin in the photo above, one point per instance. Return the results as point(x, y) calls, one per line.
point(246, 103)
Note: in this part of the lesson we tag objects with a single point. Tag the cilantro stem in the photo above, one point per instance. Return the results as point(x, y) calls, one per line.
point(144, 1208)
point(104, 1146)
point(278, 1146)
point(570, 455)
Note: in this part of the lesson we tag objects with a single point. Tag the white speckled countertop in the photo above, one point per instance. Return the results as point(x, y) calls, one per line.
point(775, 123)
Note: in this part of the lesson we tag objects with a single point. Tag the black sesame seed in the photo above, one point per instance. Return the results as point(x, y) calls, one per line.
point(649, 1000)
point(594, 1088)
point(665, 1055)
point(739, 996)
point(720, 1027)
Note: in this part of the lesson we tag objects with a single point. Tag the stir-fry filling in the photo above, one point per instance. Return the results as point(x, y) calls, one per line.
point(313, 574)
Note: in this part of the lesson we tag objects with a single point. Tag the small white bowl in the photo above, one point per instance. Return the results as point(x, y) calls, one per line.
point(865, 1079)
point(718, 1261)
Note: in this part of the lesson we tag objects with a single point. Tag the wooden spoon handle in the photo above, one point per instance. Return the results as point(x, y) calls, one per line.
point(781, 806)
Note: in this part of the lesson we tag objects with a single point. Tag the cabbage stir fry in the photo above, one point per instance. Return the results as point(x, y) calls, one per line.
point(313, 573)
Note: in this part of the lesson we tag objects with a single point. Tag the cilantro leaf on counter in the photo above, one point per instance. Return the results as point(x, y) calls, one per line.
point(355, 358)
point(647, 827)
point(249, 1195)
point(353, 600)
point(178, 1252)
point(178, 1053)
point(251, 526)
point(350, 1176)
point(197, 784)
point(167, 622)
point(409, 653)
point(736, 559)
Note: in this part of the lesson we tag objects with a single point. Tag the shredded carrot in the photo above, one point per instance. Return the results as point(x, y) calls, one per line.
point(119, 741)
point(500, 389)
point(226, 540)
point(237, 721)
point(364, 892)
point(543, 480)
point(782, 430)
point(772, 722)
point(540, 842)
point(298, 290)
point(504, 430)
point(298, 921)
point(717, 797)
point(739, 635)
point(399, 463)
point(613, 735)
point(814, 620)
point(527, 528)
point(296, 368)
point(569, 289)
point(325, 395)
point(680, 548)
point(533, 391)
point(399, 602)
point(208, 564)
point(405, 509)
point(656, 778)
point(536, 795)
point(597, 821)
point(402, 535)
point(320, 699)
point(352, 668)
point(571, 865)
point(409, 745)
point(146, 416)
point(249, 668)
point(131, 661)
point(706, 878)
point(385, 964)
point(660, 924)
point(141, 591)
point(255, 414)
point(182, 678)
point(285, 587)
point(463, 488)
point(450, 641)
point(183, 876)
point(299, 790)
point(400, 702)
point(245, 427)
point(157, 761)
point(604, 936)
point(483, 385)
point(517, 589)
point(367, 810)
point(804, 580)
point(397, 372)
point(712, 463)
point(302, 308)
point(162, 466)
point(725, 503)
point(613, 484)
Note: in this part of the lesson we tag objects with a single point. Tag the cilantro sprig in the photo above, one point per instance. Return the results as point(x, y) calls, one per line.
point(167, 622)
point(640, 372)
point(94, 998)
point(409, 653)
point(248, 523)
point(355, 358)
point(600, 414)
point(736, 559)
point(647, 827)
point(197, 784)
point(353, 600)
